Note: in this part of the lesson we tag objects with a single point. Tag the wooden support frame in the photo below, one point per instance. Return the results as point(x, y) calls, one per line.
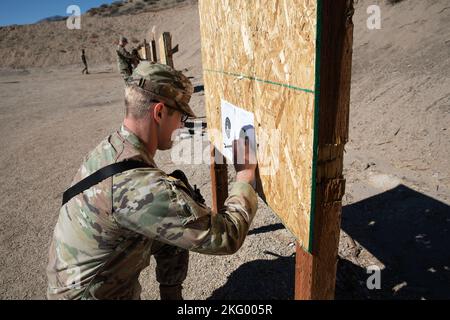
point(148, 51)
point(315, 272)
point(143, 51)
point(219, 179)
point(153, 54)
point(165, 49)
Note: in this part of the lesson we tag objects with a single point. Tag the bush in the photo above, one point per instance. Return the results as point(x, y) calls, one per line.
point(114, 11)
point(93, 11)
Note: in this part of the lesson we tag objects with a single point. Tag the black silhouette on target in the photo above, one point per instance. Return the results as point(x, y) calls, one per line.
point(228, 127)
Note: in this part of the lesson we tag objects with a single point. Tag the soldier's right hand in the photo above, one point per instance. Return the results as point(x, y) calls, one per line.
point(244, 162)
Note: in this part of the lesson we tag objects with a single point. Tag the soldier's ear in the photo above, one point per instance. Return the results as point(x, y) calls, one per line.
point(157, 112)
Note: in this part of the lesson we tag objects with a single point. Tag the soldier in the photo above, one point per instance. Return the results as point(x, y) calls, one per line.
point(124, 59)
point(83, 58)
point(106, 234)
point(136, 58)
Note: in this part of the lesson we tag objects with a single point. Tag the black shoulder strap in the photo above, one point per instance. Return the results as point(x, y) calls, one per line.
point(101, 175)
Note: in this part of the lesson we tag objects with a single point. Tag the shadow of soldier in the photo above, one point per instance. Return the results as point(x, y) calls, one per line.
point(404, 229)
point(260, 279)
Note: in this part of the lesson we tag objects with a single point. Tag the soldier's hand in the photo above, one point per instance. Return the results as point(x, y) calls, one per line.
point(244, 160)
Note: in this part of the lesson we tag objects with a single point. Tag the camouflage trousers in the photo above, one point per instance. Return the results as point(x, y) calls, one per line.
point(171, 263)
point(171, 270)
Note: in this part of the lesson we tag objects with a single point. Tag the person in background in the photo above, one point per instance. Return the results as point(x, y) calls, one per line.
point(83, 58)
point(124, 59)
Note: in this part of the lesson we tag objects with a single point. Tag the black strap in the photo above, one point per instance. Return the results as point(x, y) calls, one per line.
point(101, 175)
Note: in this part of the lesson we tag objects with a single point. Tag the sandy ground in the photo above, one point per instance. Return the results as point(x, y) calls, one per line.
point(46, 130)
point(396, 212)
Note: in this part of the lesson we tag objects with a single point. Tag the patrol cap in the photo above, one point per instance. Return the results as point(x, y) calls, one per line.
point(123, 39)
point(166, 84)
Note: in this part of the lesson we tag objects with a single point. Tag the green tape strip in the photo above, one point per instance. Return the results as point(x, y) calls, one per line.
point(243, 76)
point(316, 124)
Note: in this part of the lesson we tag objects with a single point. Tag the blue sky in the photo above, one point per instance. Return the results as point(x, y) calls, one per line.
point(30, 11)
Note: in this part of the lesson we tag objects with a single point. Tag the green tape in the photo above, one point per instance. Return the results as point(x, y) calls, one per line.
point(316, 124)
point(243, 76)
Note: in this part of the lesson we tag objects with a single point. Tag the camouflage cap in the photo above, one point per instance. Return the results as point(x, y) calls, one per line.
point(123, 39)
point(166, 84)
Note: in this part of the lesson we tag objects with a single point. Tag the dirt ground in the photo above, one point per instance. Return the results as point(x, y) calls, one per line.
point(396, 212)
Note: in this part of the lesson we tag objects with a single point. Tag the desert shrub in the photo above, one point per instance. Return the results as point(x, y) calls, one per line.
point(114, 11)
point(109, 31)
point(93, 11)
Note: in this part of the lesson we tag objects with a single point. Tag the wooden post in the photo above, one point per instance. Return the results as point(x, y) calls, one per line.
point(153, 55)
point(143, 51)
point(165, 49)
point(219, 179)
point(315, 274)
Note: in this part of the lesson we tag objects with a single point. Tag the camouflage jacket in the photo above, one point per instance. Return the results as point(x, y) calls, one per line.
point(103, 236)
point(124, 60)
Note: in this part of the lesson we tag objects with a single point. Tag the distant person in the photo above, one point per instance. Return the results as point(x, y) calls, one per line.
point(124, 59)
point(83, 58)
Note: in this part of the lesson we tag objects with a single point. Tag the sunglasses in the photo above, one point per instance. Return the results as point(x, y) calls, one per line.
point(184, 117)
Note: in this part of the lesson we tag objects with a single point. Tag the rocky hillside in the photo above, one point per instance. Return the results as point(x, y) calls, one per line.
point(51, 43)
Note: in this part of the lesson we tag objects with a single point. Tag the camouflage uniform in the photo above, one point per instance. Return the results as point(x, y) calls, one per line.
point(124, 62)
point(105, 236)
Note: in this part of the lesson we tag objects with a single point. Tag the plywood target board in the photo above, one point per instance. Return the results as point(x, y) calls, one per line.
point(260, 56)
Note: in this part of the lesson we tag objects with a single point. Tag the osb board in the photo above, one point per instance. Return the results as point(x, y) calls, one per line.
point(260, 55)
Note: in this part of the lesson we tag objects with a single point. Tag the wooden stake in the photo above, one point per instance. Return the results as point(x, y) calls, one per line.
point(315, 274)
point(143, 54)
point(219, 179)
point(165, 49)
point(153, 55)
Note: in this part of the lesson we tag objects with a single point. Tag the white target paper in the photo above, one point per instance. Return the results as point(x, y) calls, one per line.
point(236, 122)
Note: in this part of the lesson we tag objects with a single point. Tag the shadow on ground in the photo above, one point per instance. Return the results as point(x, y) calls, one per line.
point(409, 233)
point(260, 279)
point(404, 229)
